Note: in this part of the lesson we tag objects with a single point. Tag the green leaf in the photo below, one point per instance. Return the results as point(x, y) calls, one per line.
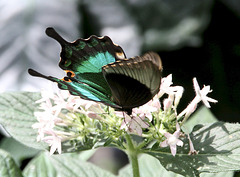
point(221, 174)
point(150, 166)
point(64, 165)
point(85, 155)
point(219, 151)
point(202, 116)
point(73, 166)
point(17, 150)
point(17, 116)
point(8, 167)
point(40, 166)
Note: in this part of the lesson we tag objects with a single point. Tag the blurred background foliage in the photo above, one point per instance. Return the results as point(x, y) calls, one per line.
point(194, 39)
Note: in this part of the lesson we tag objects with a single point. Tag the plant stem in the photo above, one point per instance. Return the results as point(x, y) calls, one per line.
point(132, 153)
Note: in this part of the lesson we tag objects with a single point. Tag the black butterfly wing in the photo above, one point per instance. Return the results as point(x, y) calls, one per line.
point(133, 82)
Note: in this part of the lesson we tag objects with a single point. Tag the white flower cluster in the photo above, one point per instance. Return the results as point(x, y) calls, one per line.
point(56, 109)
point(51, 116)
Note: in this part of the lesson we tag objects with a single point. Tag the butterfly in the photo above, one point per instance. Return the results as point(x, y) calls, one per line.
point(98, 70)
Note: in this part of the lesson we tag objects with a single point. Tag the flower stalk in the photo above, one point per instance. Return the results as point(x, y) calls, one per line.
point(132, 152)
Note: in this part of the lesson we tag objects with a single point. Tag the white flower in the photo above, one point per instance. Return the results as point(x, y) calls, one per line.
point(167, 103)
point(178, 90)
point(46, 95)
point(172, 140)
point(190, 108)
point(132, 124)
point(46, 122)
point(147, 109)
point(63, 100)
point(202, 94)
point(55, 142)
point(174, 92)
point(51, 116)
point(136, 122)
point(192, 151)
point(165, 85)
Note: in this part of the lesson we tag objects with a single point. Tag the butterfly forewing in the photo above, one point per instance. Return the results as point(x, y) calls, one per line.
point(134, 81)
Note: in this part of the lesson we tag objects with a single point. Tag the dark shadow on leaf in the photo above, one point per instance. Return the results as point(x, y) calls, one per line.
point(206, 139)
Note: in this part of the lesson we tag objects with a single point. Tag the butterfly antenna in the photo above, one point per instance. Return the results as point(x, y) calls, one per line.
point(53, 34)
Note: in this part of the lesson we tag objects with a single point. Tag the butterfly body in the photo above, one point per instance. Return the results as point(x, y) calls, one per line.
point(98, 70)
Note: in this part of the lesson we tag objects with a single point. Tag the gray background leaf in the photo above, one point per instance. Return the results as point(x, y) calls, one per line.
point(152, 25)
point(24, 43)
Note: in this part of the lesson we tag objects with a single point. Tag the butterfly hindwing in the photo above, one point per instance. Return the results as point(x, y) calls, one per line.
point(86, 55)
point(78, 89)
point(83, 59)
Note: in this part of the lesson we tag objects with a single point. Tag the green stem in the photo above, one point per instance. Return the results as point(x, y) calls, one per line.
point(132, 153)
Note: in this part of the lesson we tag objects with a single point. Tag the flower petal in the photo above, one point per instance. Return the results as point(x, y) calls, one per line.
point(196, 86)
point(164, 143)
point(173, 149)
point(179, 143)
